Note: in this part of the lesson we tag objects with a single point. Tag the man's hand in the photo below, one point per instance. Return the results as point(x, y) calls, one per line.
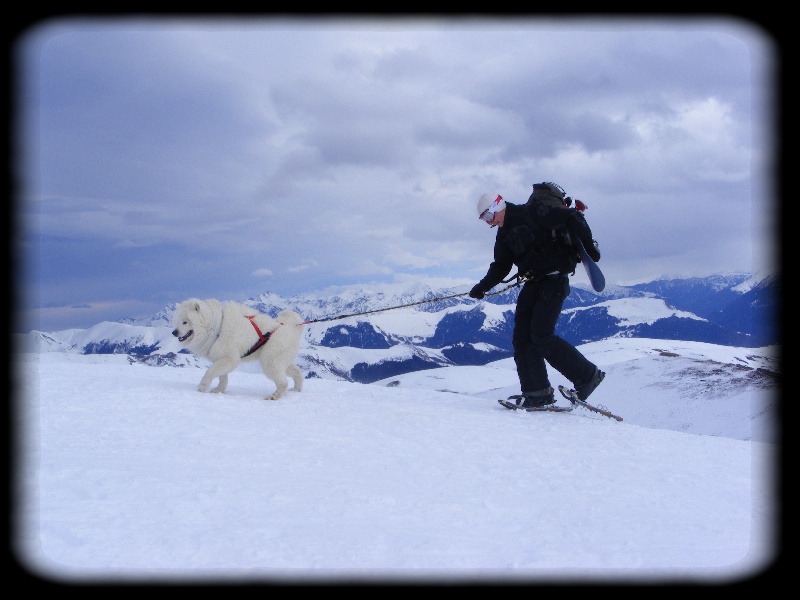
point(477, 292)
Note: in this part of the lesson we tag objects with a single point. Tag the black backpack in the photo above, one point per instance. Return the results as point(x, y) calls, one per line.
point(548, 193)
point(543, 251)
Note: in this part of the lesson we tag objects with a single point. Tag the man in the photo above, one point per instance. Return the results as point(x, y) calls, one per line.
point(535, 237)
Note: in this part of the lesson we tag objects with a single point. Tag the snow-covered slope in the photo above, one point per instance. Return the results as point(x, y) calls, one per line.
point(684, 386)
point(127, 474)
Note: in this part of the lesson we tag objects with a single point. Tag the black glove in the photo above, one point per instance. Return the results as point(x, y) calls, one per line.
point(593, 251)
point(477, 292)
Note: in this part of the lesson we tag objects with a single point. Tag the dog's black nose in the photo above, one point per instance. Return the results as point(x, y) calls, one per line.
point(175, 332)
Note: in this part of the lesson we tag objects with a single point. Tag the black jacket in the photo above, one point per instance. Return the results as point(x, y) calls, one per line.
point(515, 242)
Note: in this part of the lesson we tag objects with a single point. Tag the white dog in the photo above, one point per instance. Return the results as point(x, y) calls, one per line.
point(230, 333)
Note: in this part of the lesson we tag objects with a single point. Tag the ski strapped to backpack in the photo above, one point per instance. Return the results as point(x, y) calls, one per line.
point(596, 277)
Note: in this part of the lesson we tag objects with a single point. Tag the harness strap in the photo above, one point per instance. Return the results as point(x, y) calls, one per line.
point(263, 338)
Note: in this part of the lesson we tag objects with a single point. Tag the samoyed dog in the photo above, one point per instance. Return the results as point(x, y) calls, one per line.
point(228, 333)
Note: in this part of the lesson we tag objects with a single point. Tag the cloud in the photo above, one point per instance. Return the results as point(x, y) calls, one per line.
point(305, 265)
point(166, 158)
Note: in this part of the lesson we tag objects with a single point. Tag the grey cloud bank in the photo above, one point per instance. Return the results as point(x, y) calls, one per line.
point(161, 158)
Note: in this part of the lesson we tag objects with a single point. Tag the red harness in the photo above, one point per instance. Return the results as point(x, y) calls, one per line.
point(263, 338)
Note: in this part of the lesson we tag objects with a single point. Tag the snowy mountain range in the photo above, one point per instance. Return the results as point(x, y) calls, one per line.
point(369, 333)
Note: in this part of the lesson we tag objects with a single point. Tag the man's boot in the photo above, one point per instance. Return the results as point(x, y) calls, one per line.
point(585, 390)
point(538, 399)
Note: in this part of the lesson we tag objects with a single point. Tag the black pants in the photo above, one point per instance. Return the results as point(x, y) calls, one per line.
point(534, 340)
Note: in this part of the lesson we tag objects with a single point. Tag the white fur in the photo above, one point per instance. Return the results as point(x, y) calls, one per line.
point(223, 334)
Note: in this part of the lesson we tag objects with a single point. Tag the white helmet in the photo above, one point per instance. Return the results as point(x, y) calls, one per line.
point(492, 202)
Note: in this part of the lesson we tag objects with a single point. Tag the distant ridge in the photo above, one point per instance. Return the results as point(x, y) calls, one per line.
point(729, 310)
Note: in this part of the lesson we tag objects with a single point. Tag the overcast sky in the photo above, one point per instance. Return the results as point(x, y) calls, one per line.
point(160, 159)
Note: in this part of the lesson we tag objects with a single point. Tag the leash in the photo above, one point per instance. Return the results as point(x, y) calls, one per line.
point(520, 280)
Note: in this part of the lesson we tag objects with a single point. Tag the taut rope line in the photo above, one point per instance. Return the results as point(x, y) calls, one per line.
point(520, 280)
